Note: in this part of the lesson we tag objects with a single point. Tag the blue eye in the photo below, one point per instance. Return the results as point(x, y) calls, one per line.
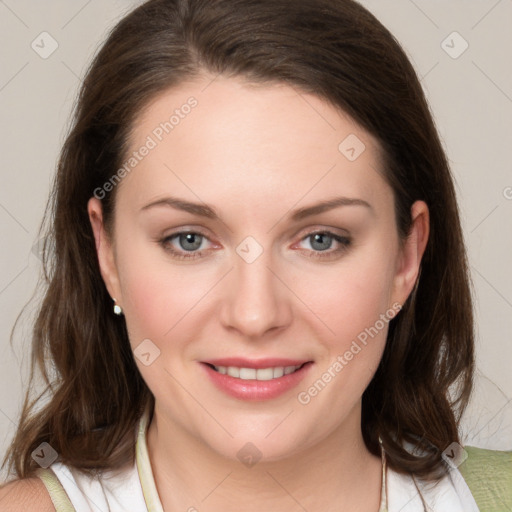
point(322, 241)
point(189, 242)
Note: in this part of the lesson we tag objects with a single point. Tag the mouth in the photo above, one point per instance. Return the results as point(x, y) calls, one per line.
point(262, 374)
point(248, 383)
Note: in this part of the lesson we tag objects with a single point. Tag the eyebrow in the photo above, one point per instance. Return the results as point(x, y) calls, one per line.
point(204, 210)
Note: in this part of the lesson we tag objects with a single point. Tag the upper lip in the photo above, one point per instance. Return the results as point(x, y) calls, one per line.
point(267, 362)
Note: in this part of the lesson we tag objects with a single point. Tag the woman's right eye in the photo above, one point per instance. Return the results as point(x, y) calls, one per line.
point(183, 242)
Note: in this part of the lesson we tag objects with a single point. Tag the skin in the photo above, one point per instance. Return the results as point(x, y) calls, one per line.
point(255, 154)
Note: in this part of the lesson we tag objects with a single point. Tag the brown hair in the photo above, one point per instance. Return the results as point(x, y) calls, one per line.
point(334, 49)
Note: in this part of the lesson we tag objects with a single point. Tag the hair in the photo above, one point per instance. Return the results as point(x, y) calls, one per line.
point(334, 49)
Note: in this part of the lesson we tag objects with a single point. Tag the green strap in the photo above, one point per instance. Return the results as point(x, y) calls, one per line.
point(488, 474)
point(57, 493)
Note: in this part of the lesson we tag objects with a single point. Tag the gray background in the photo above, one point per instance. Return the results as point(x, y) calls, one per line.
point(470, 93)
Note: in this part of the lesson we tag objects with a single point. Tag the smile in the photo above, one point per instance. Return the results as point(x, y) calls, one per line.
point(255, 384)
point(256, 374)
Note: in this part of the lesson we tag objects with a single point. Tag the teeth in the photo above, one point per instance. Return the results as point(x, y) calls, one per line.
point(257, 374)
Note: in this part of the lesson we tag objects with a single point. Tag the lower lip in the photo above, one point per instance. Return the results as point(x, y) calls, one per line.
point(253, 389)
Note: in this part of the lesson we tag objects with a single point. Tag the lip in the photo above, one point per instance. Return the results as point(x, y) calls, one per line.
point(252, 389)
point(267, 362)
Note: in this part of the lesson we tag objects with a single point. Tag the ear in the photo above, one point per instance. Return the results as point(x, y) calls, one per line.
point(104, 250)
point(411, 252)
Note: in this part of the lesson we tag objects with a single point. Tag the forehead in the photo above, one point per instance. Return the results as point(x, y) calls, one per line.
point(225, 138)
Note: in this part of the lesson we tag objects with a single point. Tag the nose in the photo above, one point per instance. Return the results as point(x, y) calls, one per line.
point(257, 299)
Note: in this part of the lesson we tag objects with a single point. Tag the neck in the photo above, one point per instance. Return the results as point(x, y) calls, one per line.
point(337, 470)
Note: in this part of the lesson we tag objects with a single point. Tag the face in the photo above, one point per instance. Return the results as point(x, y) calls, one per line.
point(254, 269)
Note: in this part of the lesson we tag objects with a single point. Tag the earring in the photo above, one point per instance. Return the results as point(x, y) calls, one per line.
point(117, 309)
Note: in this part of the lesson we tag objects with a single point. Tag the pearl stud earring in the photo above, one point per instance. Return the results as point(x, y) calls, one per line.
point(117, 309)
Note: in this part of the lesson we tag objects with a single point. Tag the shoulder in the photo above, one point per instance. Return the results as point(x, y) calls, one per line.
point(488, 474)
point(494, 463)
point(25, 495)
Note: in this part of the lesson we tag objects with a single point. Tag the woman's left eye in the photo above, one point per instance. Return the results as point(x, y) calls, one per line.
point(189, 243)
point(321, 241)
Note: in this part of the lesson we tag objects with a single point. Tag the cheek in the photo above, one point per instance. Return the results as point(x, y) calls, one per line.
point(352, 297)
point(161, 301)
point(354, 304)
point(158, 295)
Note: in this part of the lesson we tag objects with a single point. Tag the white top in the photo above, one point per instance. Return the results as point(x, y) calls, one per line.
point(134, 489)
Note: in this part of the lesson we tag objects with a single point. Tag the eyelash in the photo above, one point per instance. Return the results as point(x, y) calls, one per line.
point(344, 242)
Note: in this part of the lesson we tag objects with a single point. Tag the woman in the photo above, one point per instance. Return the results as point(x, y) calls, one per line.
point(312, 347)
